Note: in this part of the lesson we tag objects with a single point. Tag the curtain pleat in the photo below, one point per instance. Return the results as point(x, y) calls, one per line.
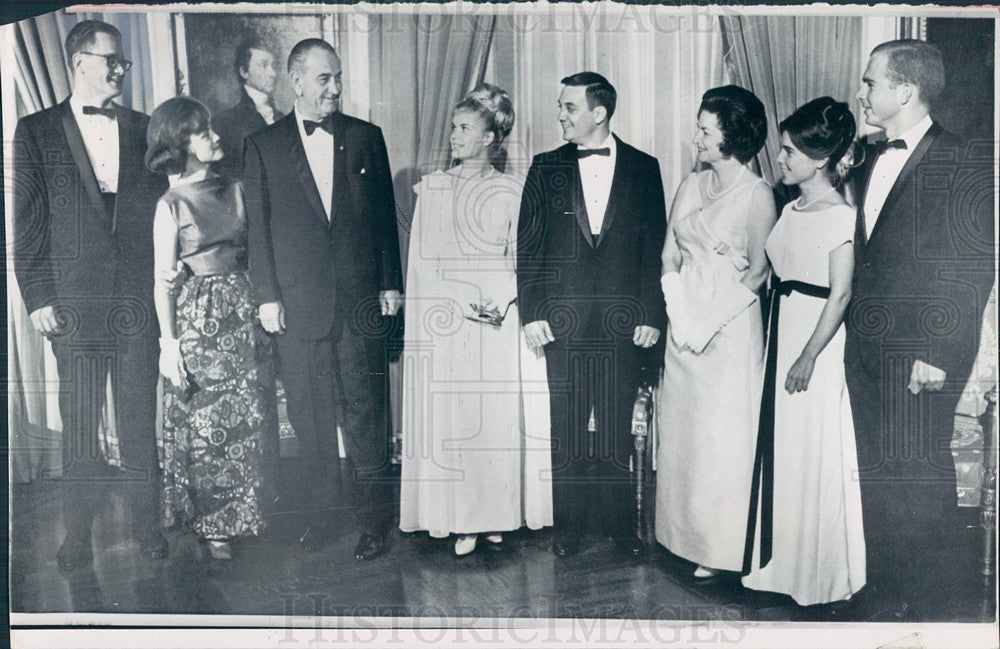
point(787, 61)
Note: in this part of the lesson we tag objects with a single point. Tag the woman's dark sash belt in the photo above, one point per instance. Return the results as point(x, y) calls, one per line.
point(762, 485)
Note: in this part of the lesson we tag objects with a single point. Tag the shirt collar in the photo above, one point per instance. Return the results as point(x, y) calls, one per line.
point(299, 119)
point(916, 132)
point(198, 176)
point(259, 98)
point(609, 143)
point(77, 105)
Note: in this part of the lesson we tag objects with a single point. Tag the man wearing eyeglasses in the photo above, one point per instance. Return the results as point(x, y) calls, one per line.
point(83, 222)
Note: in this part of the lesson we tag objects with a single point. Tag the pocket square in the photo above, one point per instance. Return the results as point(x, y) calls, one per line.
point(363, 170)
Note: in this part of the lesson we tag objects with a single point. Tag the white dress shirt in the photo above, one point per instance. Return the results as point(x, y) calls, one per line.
point(262, 103)
point(887, 169)
point(319, 153)
point(100, 138)
point(596, 174)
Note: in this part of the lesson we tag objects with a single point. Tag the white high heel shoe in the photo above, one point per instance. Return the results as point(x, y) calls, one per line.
point(701, 572)
point(465, 544)
point(494, 538)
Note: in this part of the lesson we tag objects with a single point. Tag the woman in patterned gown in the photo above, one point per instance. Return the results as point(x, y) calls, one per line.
point(475, 442)
point(211, 345)
point(708, 402)
point(818, 540)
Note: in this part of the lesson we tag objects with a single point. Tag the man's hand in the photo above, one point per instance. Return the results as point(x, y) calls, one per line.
point(44, 321)
point(538, 333)
point(174, 278)
point(272, 317)
point(390, 302)
point(645, 337)
point(924, 376)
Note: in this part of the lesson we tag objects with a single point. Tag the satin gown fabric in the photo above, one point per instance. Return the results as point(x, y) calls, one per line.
point(476, 452)
point(709, 399)
point(819, 545)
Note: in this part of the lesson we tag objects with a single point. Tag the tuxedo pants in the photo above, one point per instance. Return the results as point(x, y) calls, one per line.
point(591, 482)
point(87, 479)
point(346, 368)
point(907, 472)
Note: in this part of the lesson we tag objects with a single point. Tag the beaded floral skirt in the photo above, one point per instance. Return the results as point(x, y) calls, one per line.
point(211, 442)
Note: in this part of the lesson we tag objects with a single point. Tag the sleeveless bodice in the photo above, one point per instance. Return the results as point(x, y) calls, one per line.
point(211, 225)
point(716, 234)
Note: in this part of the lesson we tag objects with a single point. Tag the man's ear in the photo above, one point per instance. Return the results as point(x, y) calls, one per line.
point(905, 92)
point(600, 114)
point(244, 73)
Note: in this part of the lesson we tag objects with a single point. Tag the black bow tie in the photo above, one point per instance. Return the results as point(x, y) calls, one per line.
point(108, 112)
point(884, 146)
point(326, 124)
point(584, 153)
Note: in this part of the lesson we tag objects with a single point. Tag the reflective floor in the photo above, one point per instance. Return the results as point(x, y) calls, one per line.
point(419, 576)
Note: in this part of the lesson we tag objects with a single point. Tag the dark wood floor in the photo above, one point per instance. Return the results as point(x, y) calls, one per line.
point(419, 576)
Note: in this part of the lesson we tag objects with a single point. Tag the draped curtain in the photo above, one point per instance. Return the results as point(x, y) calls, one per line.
point(422, 65)
point(787, 61)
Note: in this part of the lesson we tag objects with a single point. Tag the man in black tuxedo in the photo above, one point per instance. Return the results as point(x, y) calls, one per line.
point(83, 223)
point(258, 77)
point(324, 260)
point(924, 267)
point(590, 235)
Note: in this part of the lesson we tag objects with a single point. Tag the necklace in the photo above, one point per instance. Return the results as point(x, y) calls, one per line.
point(801, 207)
point(715, 196)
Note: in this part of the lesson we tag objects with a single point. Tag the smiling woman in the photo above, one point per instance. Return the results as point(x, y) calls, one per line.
point(211, 345)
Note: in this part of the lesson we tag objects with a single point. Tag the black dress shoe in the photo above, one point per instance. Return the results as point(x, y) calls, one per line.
point(74, 554)
point(369, 547)
point(153, 546)
point(632, 547)
point(564, 547)
point(313, 539)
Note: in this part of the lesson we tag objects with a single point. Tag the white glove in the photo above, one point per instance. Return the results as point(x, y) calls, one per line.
point(171, 362)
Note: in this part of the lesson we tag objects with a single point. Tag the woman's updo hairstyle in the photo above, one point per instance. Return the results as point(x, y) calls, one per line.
point(497, 100)
point(742, 120)
point(488, 118)
point(824, 128)
point(169, 133)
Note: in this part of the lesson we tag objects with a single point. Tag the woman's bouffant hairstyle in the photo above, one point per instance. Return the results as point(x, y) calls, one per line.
point(169, 133)
point(497, 100)
point(823, 128)
point(491, 118)
point(741, 119)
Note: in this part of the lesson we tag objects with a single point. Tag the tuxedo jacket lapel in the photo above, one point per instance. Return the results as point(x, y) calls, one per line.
point(302, 169)
point(339, 167)
point(904, 176)
point(129, 161)
point(79, 152)
point(567, 156)
point(619, 189)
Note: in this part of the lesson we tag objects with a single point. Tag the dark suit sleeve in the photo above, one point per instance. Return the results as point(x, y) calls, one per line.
point(385, 231)
point(258, 206)
point(530, 236)
point(32, 248)
point(971, 223)
point(654, 226)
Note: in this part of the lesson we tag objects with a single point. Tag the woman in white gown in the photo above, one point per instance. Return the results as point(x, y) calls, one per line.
point(475, 432)
point(708, 401)
point(818, 543)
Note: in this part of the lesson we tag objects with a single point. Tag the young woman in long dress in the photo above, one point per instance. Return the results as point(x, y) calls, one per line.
point(818, 541)
point(707, 404)
point(211, 345)
point(471, 463)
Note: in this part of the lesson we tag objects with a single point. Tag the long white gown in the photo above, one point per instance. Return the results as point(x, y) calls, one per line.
point(818, 543)
point(476, 454)
point(708, 402)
